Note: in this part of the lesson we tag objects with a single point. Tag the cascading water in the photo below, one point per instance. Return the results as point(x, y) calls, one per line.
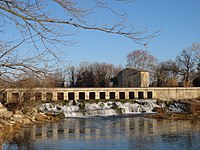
point(84, 109)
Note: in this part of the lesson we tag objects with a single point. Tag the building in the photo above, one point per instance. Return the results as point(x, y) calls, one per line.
point(132, 77)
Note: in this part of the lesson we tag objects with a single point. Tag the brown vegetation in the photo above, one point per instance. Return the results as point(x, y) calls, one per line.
point(192, 111)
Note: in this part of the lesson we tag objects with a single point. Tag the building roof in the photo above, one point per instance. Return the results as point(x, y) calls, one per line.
point(135, 69)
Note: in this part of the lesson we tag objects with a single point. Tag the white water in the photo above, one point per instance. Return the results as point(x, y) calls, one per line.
point(177, 107)
point(100, 109)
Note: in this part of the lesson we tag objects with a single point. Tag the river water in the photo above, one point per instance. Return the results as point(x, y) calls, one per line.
point(133, 132)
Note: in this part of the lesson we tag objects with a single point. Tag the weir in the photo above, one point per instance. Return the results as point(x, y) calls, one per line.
point(53, 94)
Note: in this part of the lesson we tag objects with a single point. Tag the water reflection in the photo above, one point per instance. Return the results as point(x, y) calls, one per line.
point(110, 133)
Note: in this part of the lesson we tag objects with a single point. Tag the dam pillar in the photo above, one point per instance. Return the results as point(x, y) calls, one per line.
point(117, 95)
point(76, 95)
point(87, 95)
point(9, 96)
point(55, 96)
point(126, 95)
point(136, 94)
point(44, 96)
point(97, 95)
point(66, 96)
point(107, 96)
point(145, 94)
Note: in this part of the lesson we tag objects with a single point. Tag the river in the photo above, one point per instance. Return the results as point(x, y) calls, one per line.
point(116, 132)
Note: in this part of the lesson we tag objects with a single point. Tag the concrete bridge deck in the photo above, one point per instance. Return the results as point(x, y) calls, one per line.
point(165, 93)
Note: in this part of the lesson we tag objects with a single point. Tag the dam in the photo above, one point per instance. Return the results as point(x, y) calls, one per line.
point(54, 94)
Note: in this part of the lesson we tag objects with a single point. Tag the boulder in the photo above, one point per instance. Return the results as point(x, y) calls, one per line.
point(5, 114)
point(1, 106)
point(26, 120)
point(17, 117)
point(159, 110)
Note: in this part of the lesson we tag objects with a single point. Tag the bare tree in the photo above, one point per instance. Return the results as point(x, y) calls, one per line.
point(167, 74)
point(142, 60)
point(187, 65)
point(93, 74)
point(36, 22)
point(196, 50)
point(71, 73)
point(40, 27)
point(13, 65)
point(103, 73)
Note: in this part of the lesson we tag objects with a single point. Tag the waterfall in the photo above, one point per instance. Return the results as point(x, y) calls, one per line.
point(109, 108)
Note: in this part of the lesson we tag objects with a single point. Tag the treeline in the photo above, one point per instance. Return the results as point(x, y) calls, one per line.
point(184, 70)
point(85, 75)
point(92, 75)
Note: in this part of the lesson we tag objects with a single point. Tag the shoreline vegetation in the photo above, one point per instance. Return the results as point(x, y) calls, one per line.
point(13, 118)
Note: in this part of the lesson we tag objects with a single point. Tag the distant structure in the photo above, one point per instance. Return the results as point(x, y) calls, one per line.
point(133, 77)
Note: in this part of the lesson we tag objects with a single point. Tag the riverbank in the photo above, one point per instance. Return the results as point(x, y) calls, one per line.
point(187, 110)
point(12, 121)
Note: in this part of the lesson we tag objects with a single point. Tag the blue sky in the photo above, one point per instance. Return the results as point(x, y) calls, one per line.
point(179, 21)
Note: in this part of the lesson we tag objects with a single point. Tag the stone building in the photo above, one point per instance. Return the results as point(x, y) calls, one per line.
point(132, 77)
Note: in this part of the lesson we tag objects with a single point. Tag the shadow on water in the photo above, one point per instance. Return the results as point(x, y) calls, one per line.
point(114, 132)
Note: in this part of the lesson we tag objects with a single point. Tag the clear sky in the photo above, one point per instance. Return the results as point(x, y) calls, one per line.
point(179, 21)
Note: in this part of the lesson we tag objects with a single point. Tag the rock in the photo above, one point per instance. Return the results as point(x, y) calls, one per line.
point(18, 112)
point(193, 106)
point(1, 106)
point(17, 117)
point(159, 110)
point(75, 102)
point(5, 114)
point(26, 121)
point(12, 122)
point(46, 118)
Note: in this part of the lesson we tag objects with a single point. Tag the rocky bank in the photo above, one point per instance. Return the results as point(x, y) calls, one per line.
point(186, 110)
point(11, 121)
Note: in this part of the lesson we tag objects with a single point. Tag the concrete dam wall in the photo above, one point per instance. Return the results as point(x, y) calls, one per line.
point(164, 93)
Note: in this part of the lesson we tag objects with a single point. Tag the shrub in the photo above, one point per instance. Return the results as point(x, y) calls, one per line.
point(196, 82)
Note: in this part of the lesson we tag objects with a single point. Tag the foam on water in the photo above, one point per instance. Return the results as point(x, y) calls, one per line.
point(109, 108)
